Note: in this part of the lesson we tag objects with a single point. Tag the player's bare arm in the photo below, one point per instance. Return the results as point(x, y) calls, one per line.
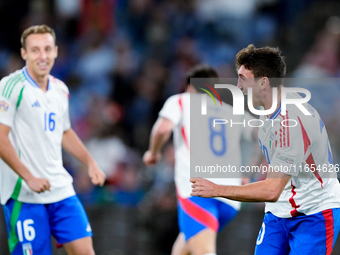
point(9, 155)
point(73, 145)
point(161, 132)
point(268, 190)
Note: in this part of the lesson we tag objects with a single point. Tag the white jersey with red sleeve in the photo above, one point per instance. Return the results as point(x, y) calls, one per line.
point(297, 144)
point(177, 110)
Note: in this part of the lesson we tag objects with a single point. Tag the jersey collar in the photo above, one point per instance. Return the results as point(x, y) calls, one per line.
point(276, 113)
point(31, 81)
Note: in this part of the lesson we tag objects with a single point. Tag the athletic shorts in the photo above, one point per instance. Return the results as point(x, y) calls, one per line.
point(196, 214)
point(30, 226)
point(304, 234)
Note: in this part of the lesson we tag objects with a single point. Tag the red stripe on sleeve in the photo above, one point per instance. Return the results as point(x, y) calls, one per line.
point(67, 94)
point(328, 215)
point(312, 166)
point(284, 130)
point(275, 139)
point(306, 141)
point(180, 103)
point(185, 138)
point(184, 135)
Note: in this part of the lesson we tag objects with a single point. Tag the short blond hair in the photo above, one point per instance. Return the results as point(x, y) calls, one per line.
point(39, 29)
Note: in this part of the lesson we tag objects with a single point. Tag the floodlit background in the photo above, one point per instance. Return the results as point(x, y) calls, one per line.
point(122, 59)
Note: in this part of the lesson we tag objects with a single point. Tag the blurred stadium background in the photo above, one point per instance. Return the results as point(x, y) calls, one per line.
point(122, 59)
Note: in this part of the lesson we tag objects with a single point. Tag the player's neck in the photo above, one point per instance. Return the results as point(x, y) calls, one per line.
point(41, 80)
point(269, 101)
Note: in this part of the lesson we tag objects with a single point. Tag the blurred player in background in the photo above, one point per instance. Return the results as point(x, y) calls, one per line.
point(199, 219)
point(36, 191)
point(302, 209)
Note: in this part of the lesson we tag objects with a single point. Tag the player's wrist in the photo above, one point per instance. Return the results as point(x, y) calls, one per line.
point(154, 154)
point(28, 177)
point(91, 163)
point(220, 190)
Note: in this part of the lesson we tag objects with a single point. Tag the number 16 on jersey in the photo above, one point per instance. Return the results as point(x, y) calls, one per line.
point(49, 121)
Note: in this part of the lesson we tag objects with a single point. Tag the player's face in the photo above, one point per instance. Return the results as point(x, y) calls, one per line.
point(247, 80)
point(39, 54)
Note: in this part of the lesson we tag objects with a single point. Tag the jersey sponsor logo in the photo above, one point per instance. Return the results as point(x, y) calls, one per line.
point(284, 158)
point(27, 249)
point(36, 104)
point(4, 106)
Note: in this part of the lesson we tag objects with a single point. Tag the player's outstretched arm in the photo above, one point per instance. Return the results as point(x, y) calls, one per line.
point(73, 145)
point(11, 158)
point(160, 133)
point(268, 190)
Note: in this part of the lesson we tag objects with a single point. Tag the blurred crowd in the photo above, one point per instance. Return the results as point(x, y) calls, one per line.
point(122, 59)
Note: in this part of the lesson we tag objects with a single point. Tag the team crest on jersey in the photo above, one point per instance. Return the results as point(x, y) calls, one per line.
point(27, 249)
point(284, 158)
point(4, 106)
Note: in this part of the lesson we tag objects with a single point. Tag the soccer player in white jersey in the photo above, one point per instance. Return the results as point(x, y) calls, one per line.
point(302, 202)
point(199, 219)
point(36, 191)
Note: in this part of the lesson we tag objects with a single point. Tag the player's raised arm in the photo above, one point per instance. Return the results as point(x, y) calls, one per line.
point(161, 132)
point(73, 145)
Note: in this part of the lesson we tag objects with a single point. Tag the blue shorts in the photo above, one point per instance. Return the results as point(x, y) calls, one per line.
point(197, 213)
point(30, 226)
point(304, 234)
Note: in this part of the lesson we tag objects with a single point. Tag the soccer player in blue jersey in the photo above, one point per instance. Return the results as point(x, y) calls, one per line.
point(302, 207)
point(36, 191)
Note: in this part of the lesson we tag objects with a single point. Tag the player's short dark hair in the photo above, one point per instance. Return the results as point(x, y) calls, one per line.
point(200, 71)
point(263, 62)
point(39, 29)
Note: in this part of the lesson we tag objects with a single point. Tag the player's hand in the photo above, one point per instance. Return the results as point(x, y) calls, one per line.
point(203, 188)
point(38, 184)
point(149, 159)
point(97, 176)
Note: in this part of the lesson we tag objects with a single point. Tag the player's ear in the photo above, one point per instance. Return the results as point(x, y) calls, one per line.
point(264, 83)
point(23, 53)
point(56, 51)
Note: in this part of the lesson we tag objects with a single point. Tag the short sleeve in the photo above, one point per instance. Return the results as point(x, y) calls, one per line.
point(11, 92)
point(172, 109)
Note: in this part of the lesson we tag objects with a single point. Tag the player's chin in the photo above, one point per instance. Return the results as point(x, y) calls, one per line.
point(44, 71)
